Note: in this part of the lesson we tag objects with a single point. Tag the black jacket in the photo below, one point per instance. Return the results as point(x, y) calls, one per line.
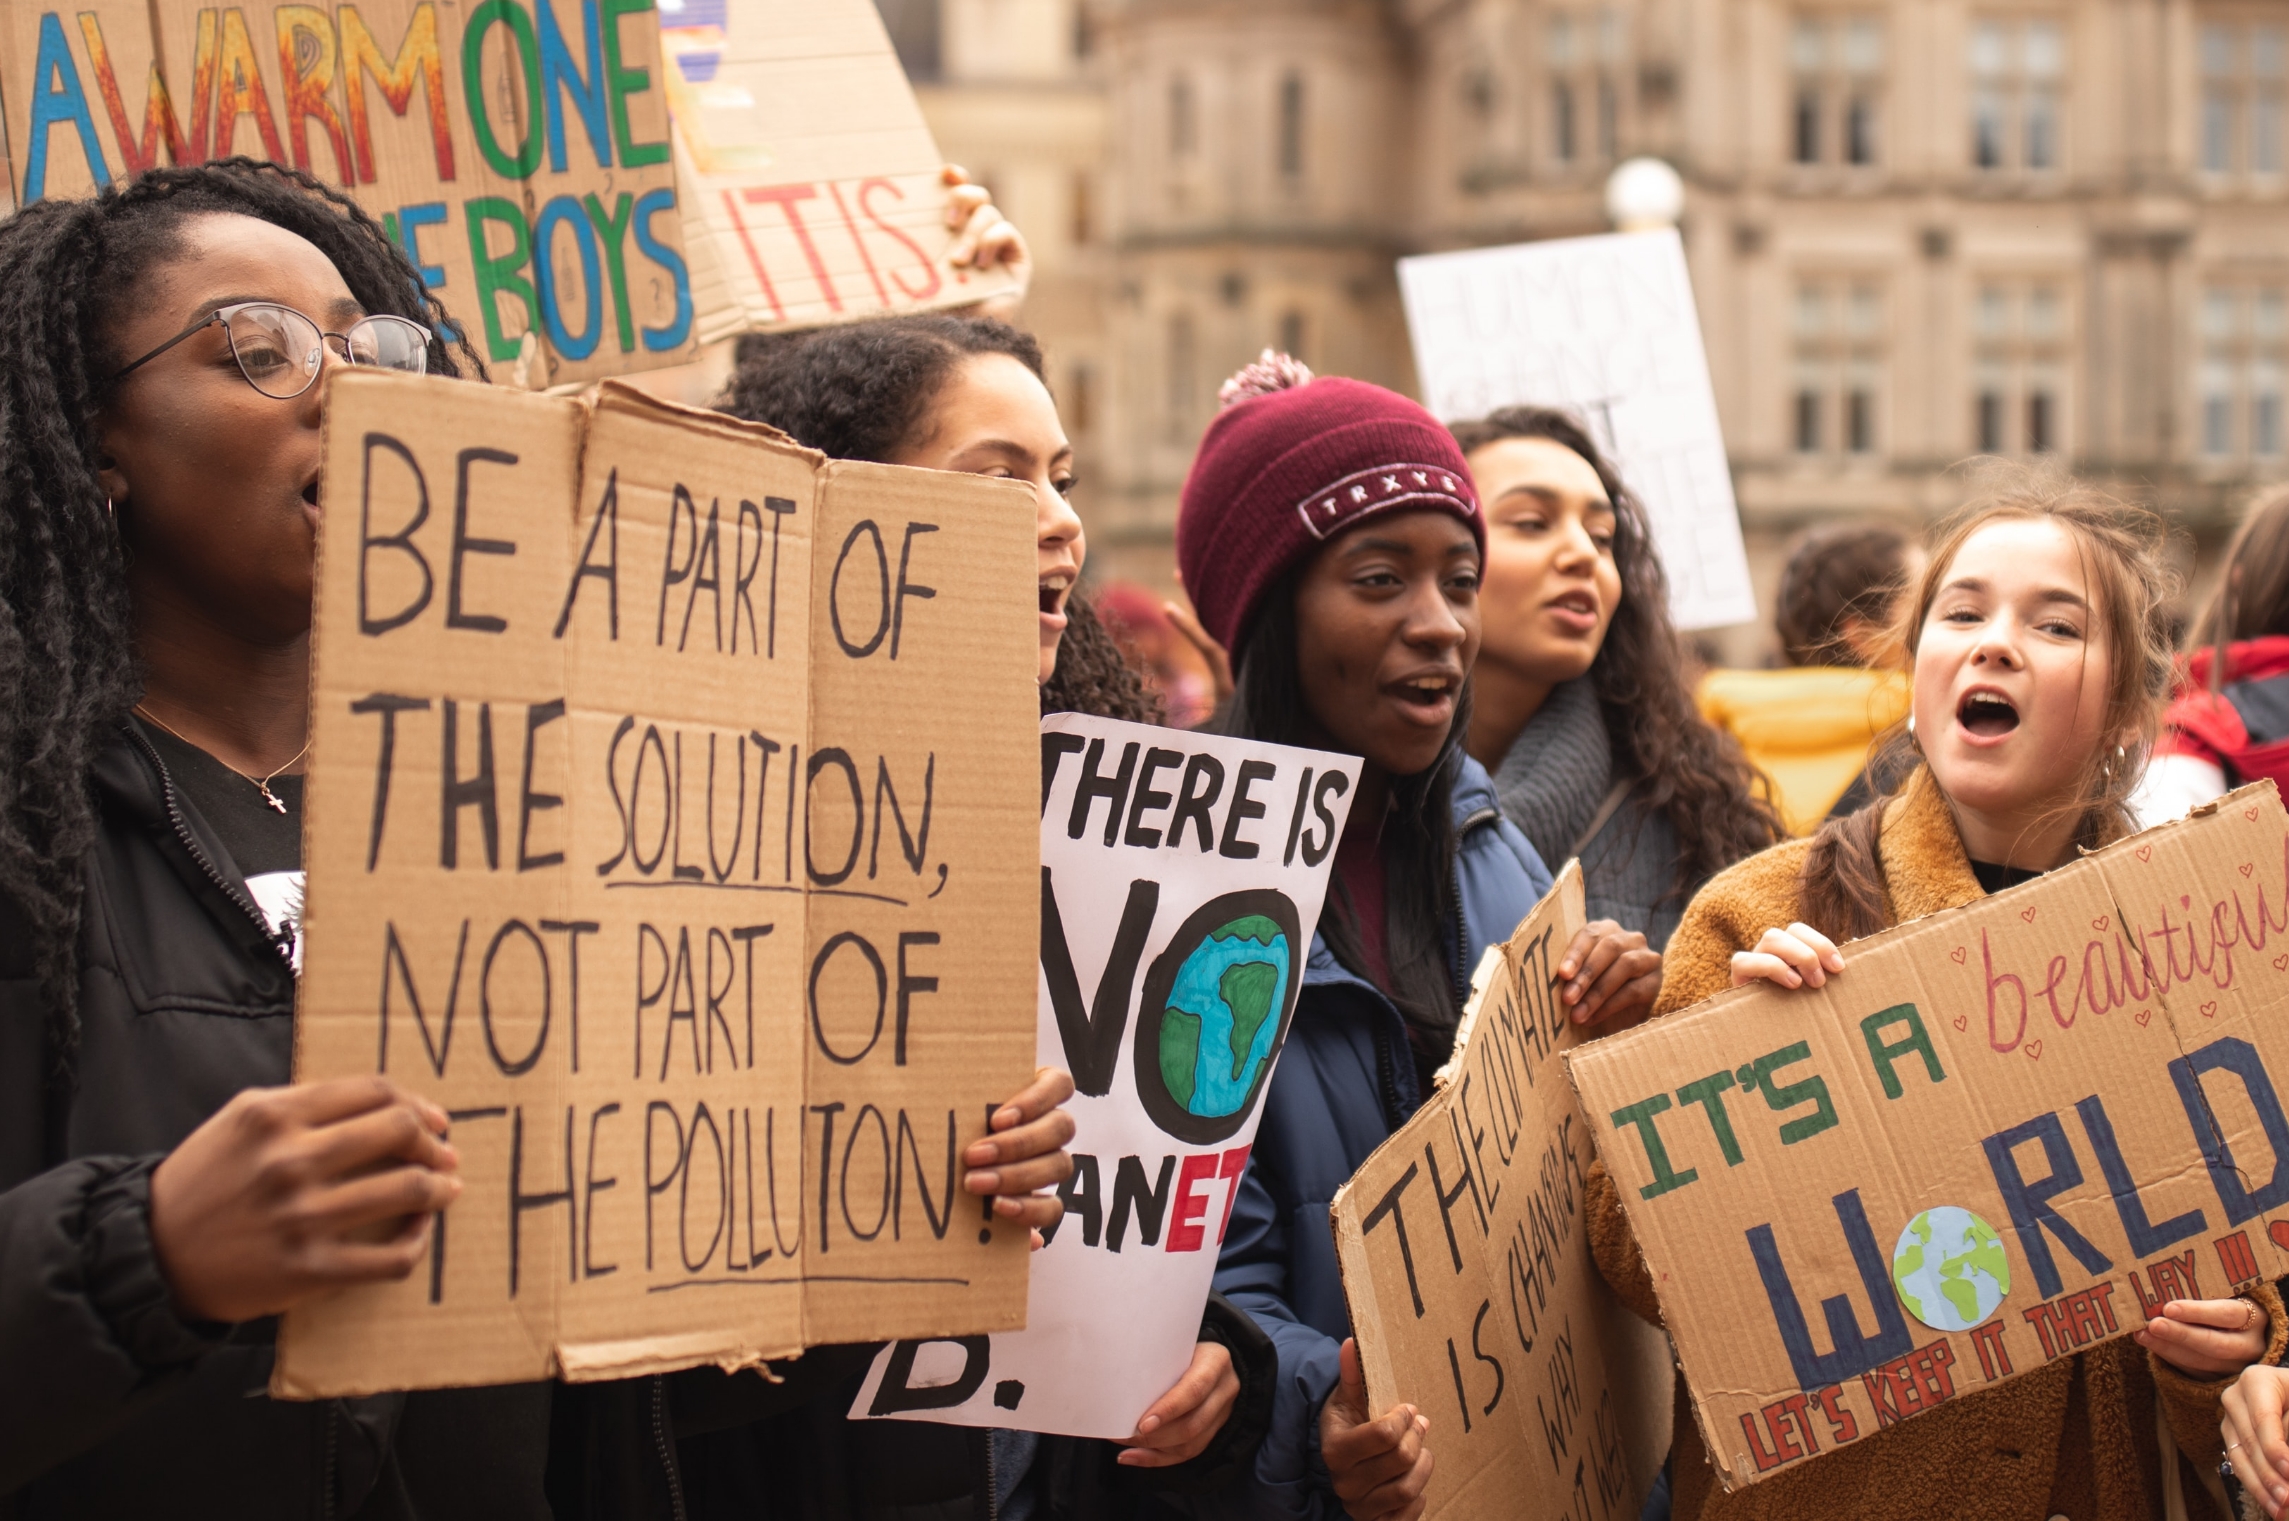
point(110, 1403)
point(708, 1446)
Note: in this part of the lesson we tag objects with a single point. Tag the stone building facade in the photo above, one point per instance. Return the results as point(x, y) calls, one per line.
point(1919, 230)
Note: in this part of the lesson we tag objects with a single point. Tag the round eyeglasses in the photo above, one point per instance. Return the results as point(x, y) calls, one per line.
point(280, 351)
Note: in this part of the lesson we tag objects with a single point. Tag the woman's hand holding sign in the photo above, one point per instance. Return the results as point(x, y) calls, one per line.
point(1182, 1422)
point(1025, 1153)
point(1796, 957)
point(1609, 976)
point(2207, 1338)
point(1380, 1466)
point(2256, 1441)
point(285, 1192)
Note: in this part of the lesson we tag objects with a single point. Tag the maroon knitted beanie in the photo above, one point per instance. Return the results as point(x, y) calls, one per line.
point(1292, 462)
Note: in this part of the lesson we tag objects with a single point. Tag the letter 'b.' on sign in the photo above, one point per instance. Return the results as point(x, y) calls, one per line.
point(671, 824)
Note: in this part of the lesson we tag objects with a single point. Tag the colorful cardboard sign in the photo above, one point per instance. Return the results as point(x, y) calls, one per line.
point(516, 149)
point(2004, 1134)
point(521, 153)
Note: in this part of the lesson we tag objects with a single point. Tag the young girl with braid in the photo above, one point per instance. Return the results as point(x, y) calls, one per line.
point(2039, 661)
point(163, 1194)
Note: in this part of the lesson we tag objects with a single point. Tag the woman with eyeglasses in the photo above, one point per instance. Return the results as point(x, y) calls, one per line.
point(163, 1195)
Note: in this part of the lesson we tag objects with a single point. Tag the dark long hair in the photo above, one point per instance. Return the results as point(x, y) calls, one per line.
point(864, 392)
point(68, 672)
point(1687, 769)
point(1418, 834)
point(1836, 575)
point(1842, 891)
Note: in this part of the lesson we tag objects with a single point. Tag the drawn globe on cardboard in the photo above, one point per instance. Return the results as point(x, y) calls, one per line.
point(1214, 1009)
point(1950, 1268)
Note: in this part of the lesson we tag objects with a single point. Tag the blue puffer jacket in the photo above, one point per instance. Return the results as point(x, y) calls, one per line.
point(1345, 1081)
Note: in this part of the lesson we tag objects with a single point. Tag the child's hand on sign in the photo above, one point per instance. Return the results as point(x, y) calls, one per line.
point(1026, 1153)
point(1796, 957)
point(987, 240)
point(1182, 1422)
point(1379, 1466)
point(2255, 1441)
point(286, 1192)
point(2208, 1338)
point(1608, 976)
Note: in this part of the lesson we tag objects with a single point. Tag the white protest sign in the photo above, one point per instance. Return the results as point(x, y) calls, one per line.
point(1606, 328)
point(1181, 880)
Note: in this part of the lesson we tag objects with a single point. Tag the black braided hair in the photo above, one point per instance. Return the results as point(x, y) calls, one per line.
point(68, 672)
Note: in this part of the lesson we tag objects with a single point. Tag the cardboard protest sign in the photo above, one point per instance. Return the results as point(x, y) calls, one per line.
point(811, 189)
point(1468, 1273)
point(2004, 1134)
point(1181, 880)
point(1605, 327)
point(517, 150)
point(520, 151)
point(667, 826)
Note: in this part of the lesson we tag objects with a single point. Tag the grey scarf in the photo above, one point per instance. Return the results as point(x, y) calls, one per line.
point(1558, 770)
point(1551, 784)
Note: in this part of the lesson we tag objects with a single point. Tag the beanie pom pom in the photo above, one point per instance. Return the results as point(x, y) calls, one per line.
point(1272, 371)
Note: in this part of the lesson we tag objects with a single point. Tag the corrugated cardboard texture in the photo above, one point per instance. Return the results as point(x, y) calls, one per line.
point(2088, 1064)
point(671, 822)
point(525, 167)
point(1469, 1277)
point(811, 180)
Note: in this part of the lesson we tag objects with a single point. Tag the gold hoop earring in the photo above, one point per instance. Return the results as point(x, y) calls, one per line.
point(1911, 726)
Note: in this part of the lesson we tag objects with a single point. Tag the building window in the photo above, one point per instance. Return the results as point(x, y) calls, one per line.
point(2245, 358)
point(1583, 54)
point(1080, 398)
point(1084, 209)
point(1839, 67)
point(2018, 71)
point(2020, 341)
point(1183, 377)
point(1183, 120)
point(1291, 127)
point(1839, 329)
point(1292, 334)
point(2243, 71)
point(1808, 413)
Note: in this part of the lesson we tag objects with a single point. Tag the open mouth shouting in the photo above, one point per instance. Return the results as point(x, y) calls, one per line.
point(1055, 588)
point(1986, 714)
point(1575, 611)
point(1428, 697)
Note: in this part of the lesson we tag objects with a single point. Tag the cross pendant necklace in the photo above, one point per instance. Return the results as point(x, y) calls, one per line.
point(261, 783)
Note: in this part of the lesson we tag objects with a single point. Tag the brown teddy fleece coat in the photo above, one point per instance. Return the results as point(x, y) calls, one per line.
point(2077, 1438)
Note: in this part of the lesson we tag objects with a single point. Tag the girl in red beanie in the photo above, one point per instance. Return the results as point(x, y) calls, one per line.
point(1331, 539)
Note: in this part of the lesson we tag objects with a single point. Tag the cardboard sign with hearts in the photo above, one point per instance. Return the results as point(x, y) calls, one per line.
point(1997, 1138)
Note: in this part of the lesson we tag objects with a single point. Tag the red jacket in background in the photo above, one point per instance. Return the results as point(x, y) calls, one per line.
point(2243, 727)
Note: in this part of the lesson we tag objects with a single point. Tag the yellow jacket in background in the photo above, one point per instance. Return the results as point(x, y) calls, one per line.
point(1808, 728)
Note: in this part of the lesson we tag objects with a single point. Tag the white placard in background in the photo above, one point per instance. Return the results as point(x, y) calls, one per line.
point(1605, 327)
point(1181, 879)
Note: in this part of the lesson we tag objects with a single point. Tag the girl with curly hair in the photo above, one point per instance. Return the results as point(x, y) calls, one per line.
point(1580, 706)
